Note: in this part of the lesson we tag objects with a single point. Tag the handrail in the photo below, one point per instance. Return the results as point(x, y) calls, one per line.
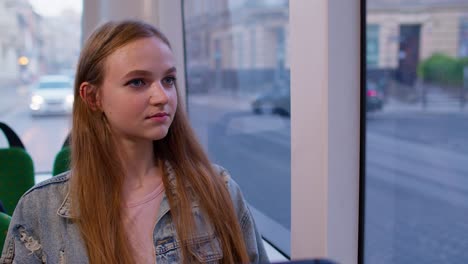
point(12, 137)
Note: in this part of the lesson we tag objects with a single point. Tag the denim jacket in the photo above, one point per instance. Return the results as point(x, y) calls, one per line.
point(42, 229)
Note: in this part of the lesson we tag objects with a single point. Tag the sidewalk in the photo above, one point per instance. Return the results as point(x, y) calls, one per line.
point(440, 104)
point(437, 100)
point(237, 102)
point(394, 106)
point(10, 96)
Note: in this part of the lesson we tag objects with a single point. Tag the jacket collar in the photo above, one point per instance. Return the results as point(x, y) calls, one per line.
point(64, 209)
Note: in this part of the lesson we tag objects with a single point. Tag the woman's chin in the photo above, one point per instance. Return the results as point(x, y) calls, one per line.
point(159, 136)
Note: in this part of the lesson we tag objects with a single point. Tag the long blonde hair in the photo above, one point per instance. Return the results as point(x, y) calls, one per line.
point(97, 172)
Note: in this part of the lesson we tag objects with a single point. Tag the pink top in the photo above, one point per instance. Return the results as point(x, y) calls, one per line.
point(139, 222)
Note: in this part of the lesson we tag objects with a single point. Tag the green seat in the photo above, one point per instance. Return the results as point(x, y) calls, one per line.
point(4, 223)
point(16, 176)
point(16, 170)
point(61, 161)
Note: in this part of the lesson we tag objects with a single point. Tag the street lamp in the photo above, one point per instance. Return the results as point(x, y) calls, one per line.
point(23, 61)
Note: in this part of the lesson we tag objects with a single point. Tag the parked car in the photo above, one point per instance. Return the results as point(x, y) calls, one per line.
point(374, 97)
point(199, 80)
point(53, 94)
point(275, 101)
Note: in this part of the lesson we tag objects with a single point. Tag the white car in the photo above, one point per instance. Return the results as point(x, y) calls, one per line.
point(53, 94)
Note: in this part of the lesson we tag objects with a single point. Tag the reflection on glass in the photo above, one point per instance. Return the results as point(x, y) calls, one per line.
point(38, 39)
point(238, 95)
point(417, 144)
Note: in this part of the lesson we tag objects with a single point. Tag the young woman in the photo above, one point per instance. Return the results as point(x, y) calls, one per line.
point(140, 188)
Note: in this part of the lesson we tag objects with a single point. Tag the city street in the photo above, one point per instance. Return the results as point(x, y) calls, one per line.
point(42, 136)
point(417, 188)
point(417, 185)
point(256, 151)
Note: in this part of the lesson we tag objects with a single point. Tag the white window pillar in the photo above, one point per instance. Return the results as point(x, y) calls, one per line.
point(325, 57)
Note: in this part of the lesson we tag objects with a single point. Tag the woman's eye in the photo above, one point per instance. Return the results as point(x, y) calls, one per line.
point(136, 83)
point(169, 81)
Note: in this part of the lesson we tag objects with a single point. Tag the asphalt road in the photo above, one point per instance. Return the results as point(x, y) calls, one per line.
point(256, 151)
point(416, 188)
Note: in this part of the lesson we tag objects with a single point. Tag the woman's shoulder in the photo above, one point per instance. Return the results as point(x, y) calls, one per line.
point(46, 196)
point(59, 182)
point(36, 221)
point(226, 176)
point(232, 186)
point(221, 171)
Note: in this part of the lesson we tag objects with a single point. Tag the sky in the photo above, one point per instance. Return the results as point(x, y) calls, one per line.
point(55, 7)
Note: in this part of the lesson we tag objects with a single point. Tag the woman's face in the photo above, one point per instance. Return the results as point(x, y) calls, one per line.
point(138, 94)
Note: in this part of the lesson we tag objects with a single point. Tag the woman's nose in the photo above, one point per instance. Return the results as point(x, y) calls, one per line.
point(158, 94)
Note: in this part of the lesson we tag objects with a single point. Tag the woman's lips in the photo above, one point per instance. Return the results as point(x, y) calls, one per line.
point(159, 117)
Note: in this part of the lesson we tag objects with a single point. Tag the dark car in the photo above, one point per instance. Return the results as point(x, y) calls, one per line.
point(275, 101)
point(374, 97)
point(198, 80)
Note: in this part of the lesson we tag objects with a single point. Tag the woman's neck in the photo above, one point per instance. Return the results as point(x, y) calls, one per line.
point(141, 169)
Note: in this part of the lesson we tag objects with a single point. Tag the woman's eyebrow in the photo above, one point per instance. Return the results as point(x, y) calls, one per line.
point(170, 70)
point(137, 72)
point(147, 73)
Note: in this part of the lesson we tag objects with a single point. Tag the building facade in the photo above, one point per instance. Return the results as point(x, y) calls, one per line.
point(20, 42)
point(236, 43)
point(401, 34)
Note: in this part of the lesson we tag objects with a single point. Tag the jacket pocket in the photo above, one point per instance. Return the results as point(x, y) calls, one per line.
point(207, 249)
point(167, 251)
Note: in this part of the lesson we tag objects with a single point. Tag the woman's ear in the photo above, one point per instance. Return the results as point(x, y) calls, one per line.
point(90, 95)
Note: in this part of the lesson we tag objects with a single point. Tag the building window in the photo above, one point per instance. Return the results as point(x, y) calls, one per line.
point(372, 46)
point(463, 50)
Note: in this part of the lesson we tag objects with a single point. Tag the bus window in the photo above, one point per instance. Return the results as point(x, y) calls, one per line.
point(39, 47)
point(237, 65)
point(416, 121)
